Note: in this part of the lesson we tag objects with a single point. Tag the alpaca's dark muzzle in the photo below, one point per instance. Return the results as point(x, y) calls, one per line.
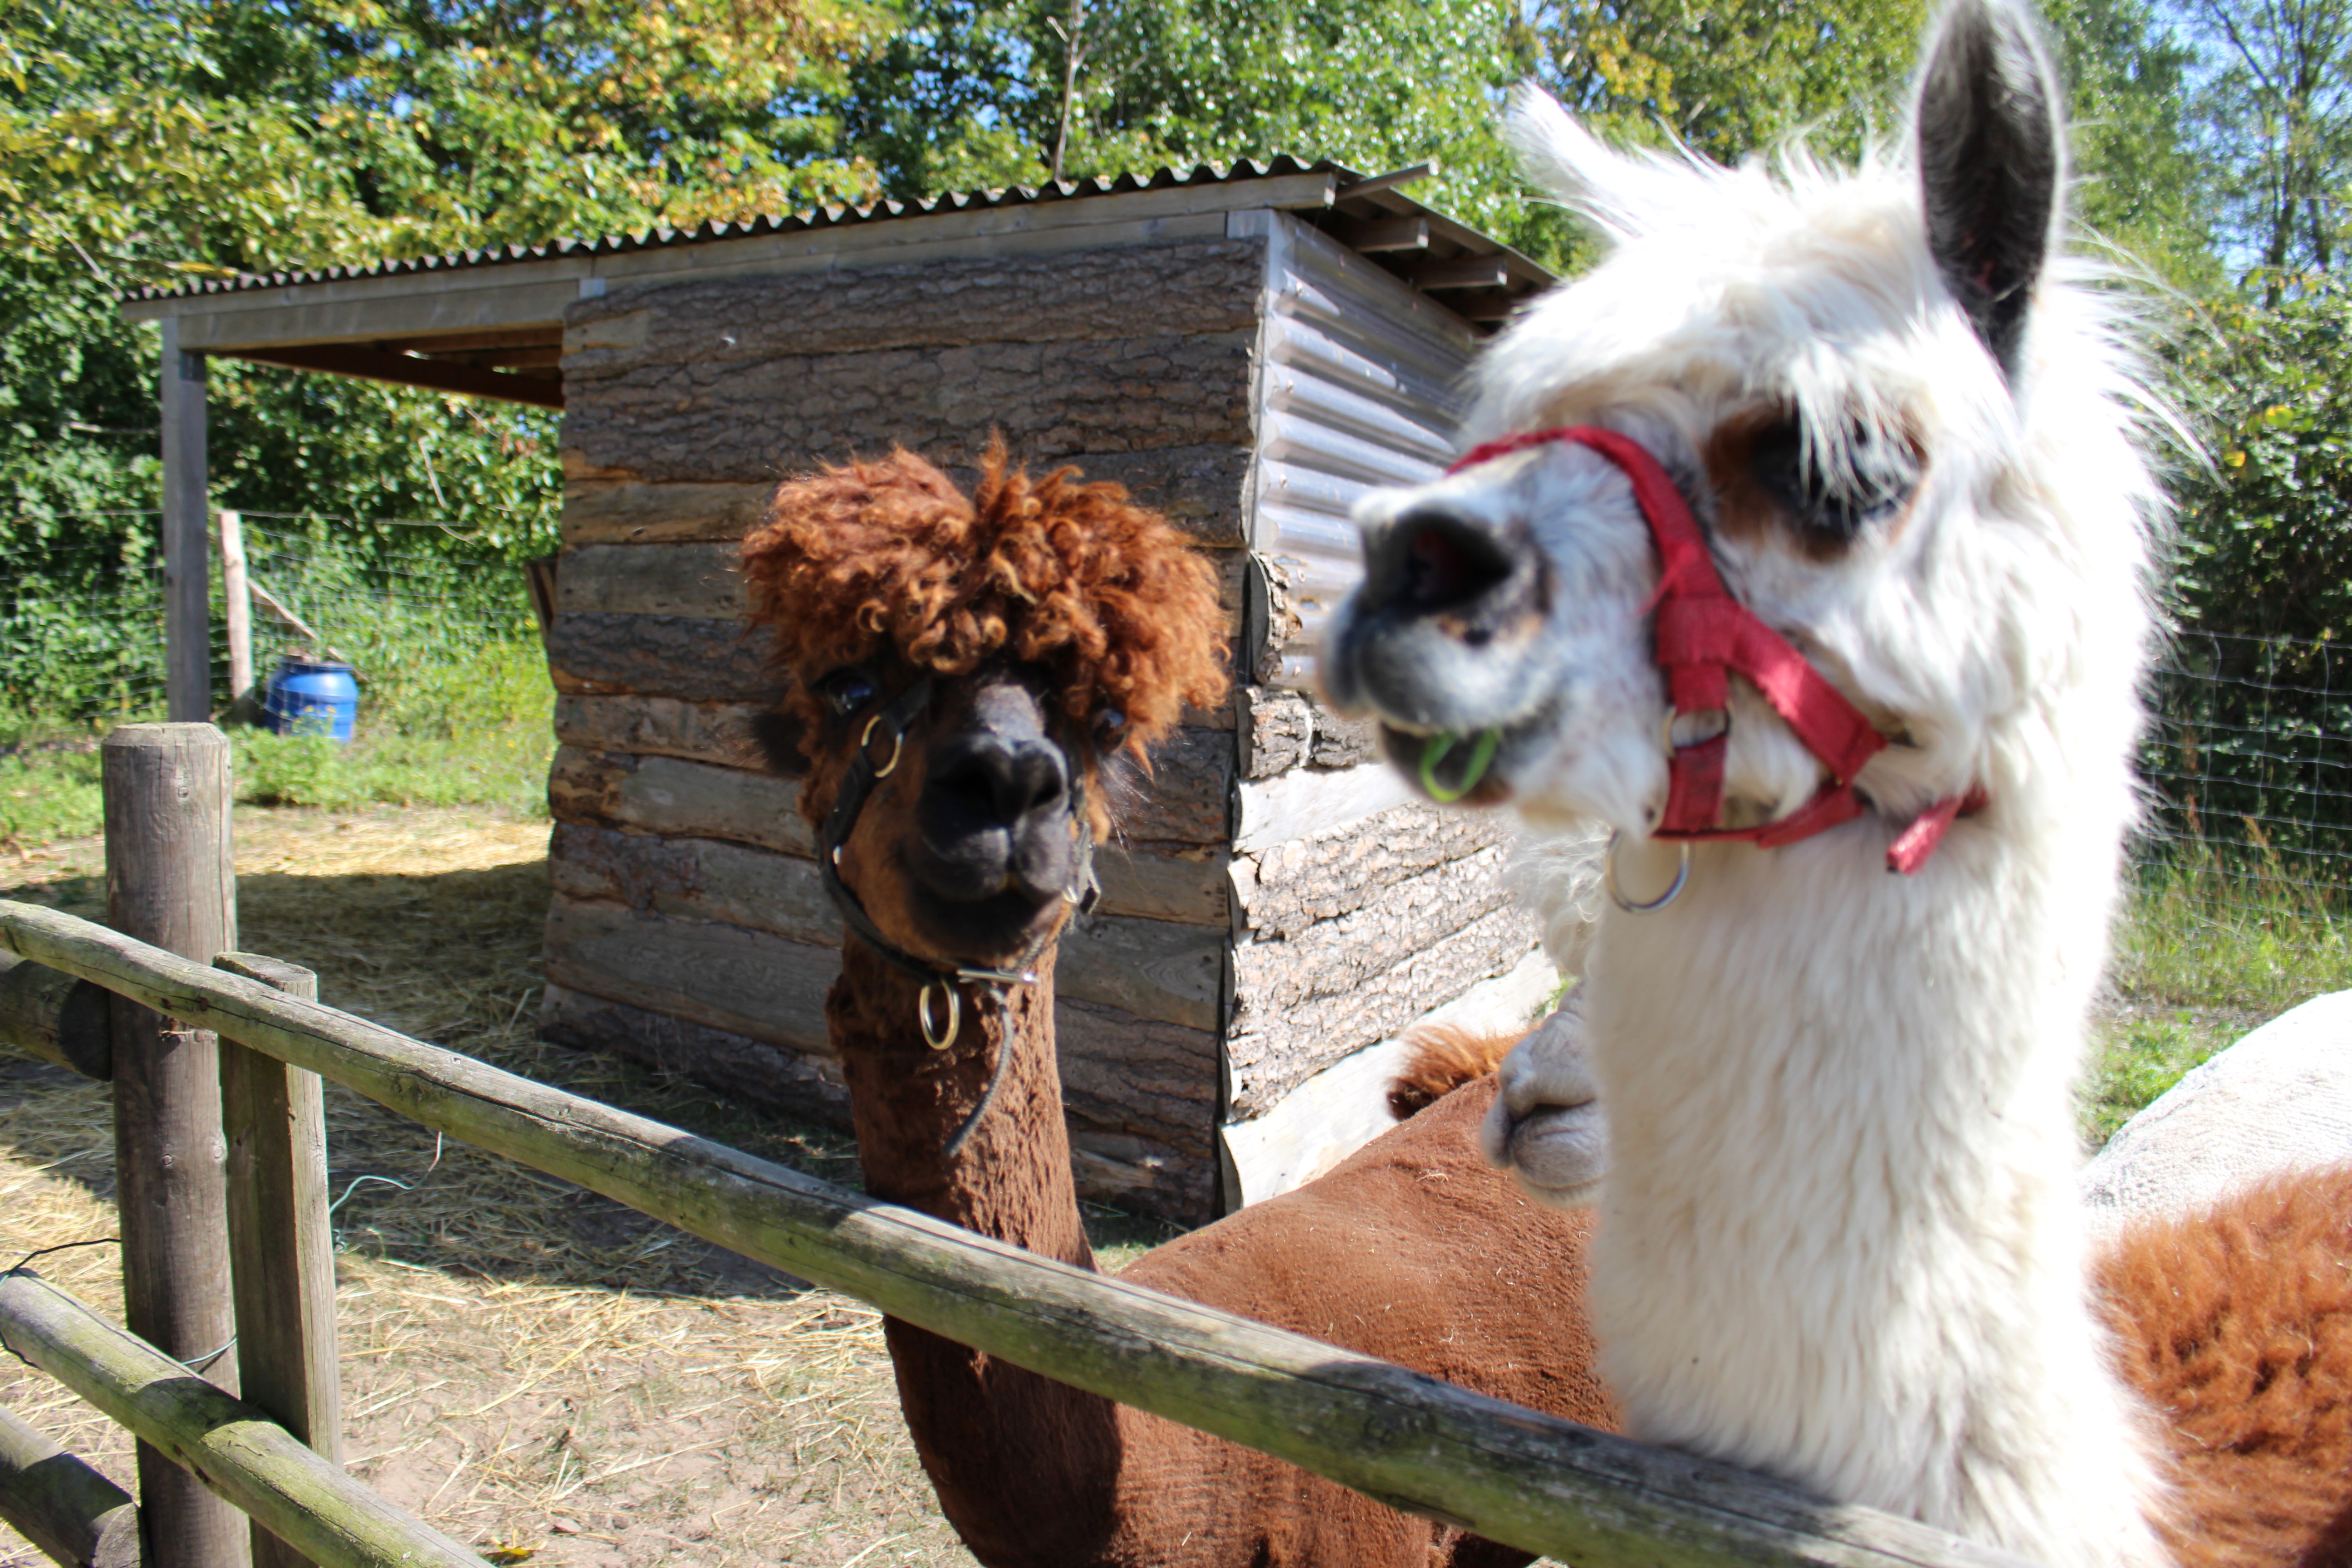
point(995, 818)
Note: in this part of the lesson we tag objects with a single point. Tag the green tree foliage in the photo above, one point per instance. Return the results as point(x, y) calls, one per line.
point(2266, 528)
point(972, 94)
point(156, 141)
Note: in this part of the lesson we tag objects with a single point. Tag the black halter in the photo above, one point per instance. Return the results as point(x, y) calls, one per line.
point(857, 783)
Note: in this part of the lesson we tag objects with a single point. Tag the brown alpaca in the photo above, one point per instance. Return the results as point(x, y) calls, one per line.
point(2235, 1324)
point(1061, 631)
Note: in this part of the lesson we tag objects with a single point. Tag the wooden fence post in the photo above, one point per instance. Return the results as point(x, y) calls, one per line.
point(281, 1247)
point(236, 613)
point(170, 881)
point(187, 547)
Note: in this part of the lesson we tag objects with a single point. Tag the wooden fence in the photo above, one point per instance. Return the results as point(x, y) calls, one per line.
point(1511, 1474)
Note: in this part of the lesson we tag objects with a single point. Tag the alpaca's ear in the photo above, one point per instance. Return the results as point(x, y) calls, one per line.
point(1991, 162)
point(1611, 191)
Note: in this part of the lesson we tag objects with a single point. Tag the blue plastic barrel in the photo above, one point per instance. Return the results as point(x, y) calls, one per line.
point(309, 697)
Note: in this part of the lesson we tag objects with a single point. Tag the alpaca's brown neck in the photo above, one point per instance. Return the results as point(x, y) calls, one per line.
point(1026, 1469)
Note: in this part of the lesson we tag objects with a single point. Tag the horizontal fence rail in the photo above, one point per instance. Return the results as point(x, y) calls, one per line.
point(236, 1449)
point(1510, 1474)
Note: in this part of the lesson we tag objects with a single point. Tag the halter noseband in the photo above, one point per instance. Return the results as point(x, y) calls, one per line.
point(1703, 636)
point(857, 783)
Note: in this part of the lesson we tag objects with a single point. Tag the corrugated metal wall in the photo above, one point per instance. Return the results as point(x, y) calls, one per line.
point(1360, 387)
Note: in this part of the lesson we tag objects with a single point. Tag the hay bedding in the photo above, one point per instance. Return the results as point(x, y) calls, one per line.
point(534, 1369)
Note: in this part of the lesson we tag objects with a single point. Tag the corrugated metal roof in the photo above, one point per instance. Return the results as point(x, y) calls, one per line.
point(1238, 172)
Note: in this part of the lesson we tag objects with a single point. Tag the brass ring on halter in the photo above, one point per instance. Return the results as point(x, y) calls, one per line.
point(897, 744)
point(1681, 877)
point(940, 1039)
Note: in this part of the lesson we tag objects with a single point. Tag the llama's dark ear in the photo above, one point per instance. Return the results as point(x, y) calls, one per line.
point(1991, 164)
point(778, 735)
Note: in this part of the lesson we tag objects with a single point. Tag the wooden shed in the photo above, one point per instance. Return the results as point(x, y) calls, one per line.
point(1248, 349)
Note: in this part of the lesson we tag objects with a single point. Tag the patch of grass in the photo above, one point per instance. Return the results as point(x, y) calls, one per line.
point(48, 790)
point(2201, 934)
point(470, 726)
point(2139, 1057)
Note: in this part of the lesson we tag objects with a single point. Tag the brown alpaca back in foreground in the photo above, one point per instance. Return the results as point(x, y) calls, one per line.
point(2235, 1324)
point(1371, 1257)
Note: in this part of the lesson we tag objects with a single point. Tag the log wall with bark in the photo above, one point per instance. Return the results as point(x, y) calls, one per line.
point(1274, 904)
point(688, 928)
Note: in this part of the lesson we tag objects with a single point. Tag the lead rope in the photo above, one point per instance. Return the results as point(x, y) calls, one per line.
point(856, 783)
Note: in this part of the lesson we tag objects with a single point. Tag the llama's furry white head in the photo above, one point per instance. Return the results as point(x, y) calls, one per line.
point(1904, 422)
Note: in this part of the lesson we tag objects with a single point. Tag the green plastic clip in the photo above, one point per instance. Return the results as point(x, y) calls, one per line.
point(1441, 746)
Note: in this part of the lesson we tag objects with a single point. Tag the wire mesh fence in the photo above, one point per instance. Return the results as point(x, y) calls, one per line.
point(2249, 765)
point(86, 646)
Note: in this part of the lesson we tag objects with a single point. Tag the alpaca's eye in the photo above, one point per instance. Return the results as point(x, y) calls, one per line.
point(846, 692)
point(1111, 728)
point(1827, 505)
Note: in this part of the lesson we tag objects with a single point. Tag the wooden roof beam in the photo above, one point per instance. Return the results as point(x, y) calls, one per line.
point(406, 370)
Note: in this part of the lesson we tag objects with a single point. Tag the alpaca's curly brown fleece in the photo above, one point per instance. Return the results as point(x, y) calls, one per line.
point(888, 556)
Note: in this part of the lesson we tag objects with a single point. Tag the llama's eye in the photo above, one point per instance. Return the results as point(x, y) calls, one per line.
point(1883, 474)
point(847, 690)
point(1111, 728)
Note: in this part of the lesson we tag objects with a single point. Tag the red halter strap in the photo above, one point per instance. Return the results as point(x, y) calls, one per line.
point(1703, 635)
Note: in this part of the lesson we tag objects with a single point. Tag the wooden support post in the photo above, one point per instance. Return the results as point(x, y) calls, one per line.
point(171, 881)
point(281, 1246)
point(62, 1506)
point(236, 612)
point(187, 548)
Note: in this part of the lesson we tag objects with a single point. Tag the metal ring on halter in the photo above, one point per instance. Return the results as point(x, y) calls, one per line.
point(940, 1041)
point(1667, 728)
point(1682, 876)
point(898, 745)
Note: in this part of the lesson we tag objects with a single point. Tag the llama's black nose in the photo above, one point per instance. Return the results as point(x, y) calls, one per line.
point(1436, 636)
point(994, 781)
point(1430, 561)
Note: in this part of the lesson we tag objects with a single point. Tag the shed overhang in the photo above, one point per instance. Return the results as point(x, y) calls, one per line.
point(490, 323)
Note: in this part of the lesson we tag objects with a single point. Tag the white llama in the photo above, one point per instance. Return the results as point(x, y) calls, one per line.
point(1839, 1239)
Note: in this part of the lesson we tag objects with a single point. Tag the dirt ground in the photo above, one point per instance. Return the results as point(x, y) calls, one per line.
point(538, 1371)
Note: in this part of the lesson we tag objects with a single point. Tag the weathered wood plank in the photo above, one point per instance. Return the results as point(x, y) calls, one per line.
point(719, 732)
point(699, 580)
point(1141, 1097)
point(73, 1514)
point(281, 1241)
point(1307, 801)
point(697, 659)
point(1198, 488)
point(756, 419)
point(678, 799)
point(246, 1459)
point(750, 983)
point(1132, 290)
point(1512, 1475)
point(1155, 969)
point(622, 510)
point(1182, 804)
point(60, 1019)
point(1339, 1109)
point(760, 1073)
point(1287, 888)
point(1186, 798)
point(1332, 955)
point(171, 880)
point(689, 658)
point(1272, 1045)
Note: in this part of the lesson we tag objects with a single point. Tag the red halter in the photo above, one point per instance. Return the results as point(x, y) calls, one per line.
point(1703, 635)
